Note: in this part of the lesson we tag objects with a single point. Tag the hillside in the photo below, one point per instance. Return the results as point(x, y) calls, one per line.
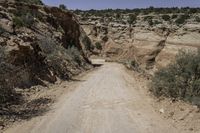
point(66, 71)
point(150, 37)
point(39, 45)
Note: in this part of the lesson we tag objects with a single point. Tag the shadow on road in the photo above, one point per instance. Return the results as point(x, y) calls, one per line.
point(97, 62)
point(97, 65)
point(76, 80)
point(24, 110)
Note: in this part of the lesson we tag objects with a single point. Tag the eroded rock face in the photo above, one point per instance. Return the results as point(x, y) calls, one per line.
point(38, 44)
point(152, 46)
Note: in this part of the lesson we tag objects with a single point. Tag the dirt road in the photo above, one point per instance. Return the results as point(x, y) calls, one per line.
point(108, 100)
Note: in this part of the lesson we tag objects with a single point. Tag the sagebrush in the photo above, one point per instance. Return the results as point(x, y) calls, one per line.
point(181, 79)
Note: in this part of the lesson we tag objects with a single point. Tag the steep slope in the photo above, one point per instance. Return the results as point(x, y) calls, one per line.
point(39, 44)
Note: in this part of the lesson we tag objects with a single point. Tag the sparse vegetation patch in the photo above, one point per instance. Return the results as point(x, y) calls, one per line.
point(181, 79)
point(182, 19)
point(166, 17)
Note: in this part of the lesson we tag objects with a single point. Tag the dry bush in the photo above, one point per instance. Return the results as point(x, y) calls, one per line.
point(166, 17)
point(98, 45)
point(182, 19)
point(6, 90)
point(179, 80)
point(37, 2)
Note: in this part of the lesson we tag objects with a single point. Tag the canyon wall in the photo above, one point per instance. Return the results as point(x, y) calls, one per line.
point(151, 45)
point(39, 44)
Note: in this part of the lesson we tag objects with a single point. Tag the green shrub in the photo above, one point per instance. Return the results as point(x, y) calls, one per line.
point(182, 19)
point(150, 22)
point(146, 18)
point(92, 47)
point(60, 58)
point(87, 42)
point(132, 19)
point(18, 22)
point(174, 16)
point(28, 20)
point(37, 2)
point(98, 45)
point(166, 17)
point(105, 38)
point(197, 18)
point(62, 6)
point(149, 19)
point(118, 16)
point(75, 54)
point(193, 10)
point(2, 30)
point(6, 90)
point(157, 22)
point(181, 79)
point(23, 18)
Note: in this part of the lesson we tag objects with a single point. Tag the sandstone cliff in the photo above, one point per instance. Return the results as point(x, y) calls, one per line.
point(150, 41)
point(39, 44)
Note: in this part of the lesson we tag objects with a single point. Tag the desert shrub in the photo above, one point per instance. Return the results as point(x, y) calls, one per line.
point(102, 20)
point(166, 17)
point(193, 10)
point(75, 54)
point(55, 55)
point(27, 16)
point(87, 42)
point(98, 45)
point(6, 86)
point(23, 18)
point(62, 6)
point(6, 90)
point(92, 47)
point(131, 65)
point(37, 2)
point(2, 30)
point(144, 12)
point(60, 59)
point(174, 16)
point(4, 94)
point(197, 18)
point(132, 19)
point(157, 22)
point(150, 22)
point(146, 18)
point(57, 64)
point(182, 19)
point(107, 15)
point(105, 38)
point(18, 22)
point(118, 16)
point(181, 79)
point(28, 20)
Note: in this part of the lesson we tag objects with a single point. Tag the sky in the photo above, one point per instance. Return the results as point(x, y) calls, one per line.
point(104, 4)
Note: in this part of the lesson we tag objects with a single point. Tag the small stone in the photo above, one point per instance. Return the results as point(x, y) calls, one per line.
point(162, 111)
point(1, 127)
point(171, 114)
point(191, 129)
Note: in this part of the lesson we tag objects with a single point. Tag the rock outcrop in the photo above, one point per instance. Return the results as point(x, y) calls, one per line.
point(39, 44)
point(152, 45)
